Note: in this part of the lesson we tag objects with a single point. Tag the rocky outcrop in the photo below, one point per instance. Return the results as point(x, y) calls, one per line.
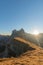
point(8, 43)
point(15, 48)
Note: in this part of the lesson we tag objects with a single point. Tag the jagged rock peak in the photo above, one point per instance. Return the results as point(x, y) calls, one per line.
point(15, 31)
point(22, 30)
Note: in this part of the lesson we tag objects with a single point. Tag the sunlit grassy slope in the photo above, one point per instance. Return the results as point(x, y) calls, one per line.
point(34, 57)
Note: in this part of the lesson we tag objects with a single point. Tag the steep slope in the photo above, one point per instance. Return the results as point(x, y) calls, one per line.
point(28, 42)
point(32, 57)
point(19, 46)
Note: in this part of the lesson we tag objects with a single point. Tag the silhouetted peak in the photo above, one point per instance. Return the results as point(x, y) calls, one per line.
point(14, 31)
point(21, 30)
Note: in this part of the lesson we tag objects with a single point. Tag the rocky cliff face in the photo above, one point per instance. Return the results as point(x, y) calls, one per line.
point(19, 33)
point(27, 36)
point(6, 44)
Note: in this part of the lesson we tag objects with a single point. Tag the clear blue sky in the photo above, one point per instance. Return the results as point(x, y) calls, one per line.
point(16, 14)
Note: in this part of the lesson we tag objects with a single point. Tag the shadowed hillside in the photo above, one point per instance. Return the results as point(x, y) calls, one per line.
point(18, 46)
point(29, 53)
point(18, 43)
point(15, 48)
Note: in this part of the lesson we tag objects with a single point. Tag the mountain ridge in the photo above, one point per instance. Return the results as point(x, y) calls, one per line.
point(21, 33)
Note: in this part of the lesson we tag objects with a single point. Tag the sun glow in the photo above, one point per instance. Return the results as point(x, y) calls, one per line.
point(35, 32)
